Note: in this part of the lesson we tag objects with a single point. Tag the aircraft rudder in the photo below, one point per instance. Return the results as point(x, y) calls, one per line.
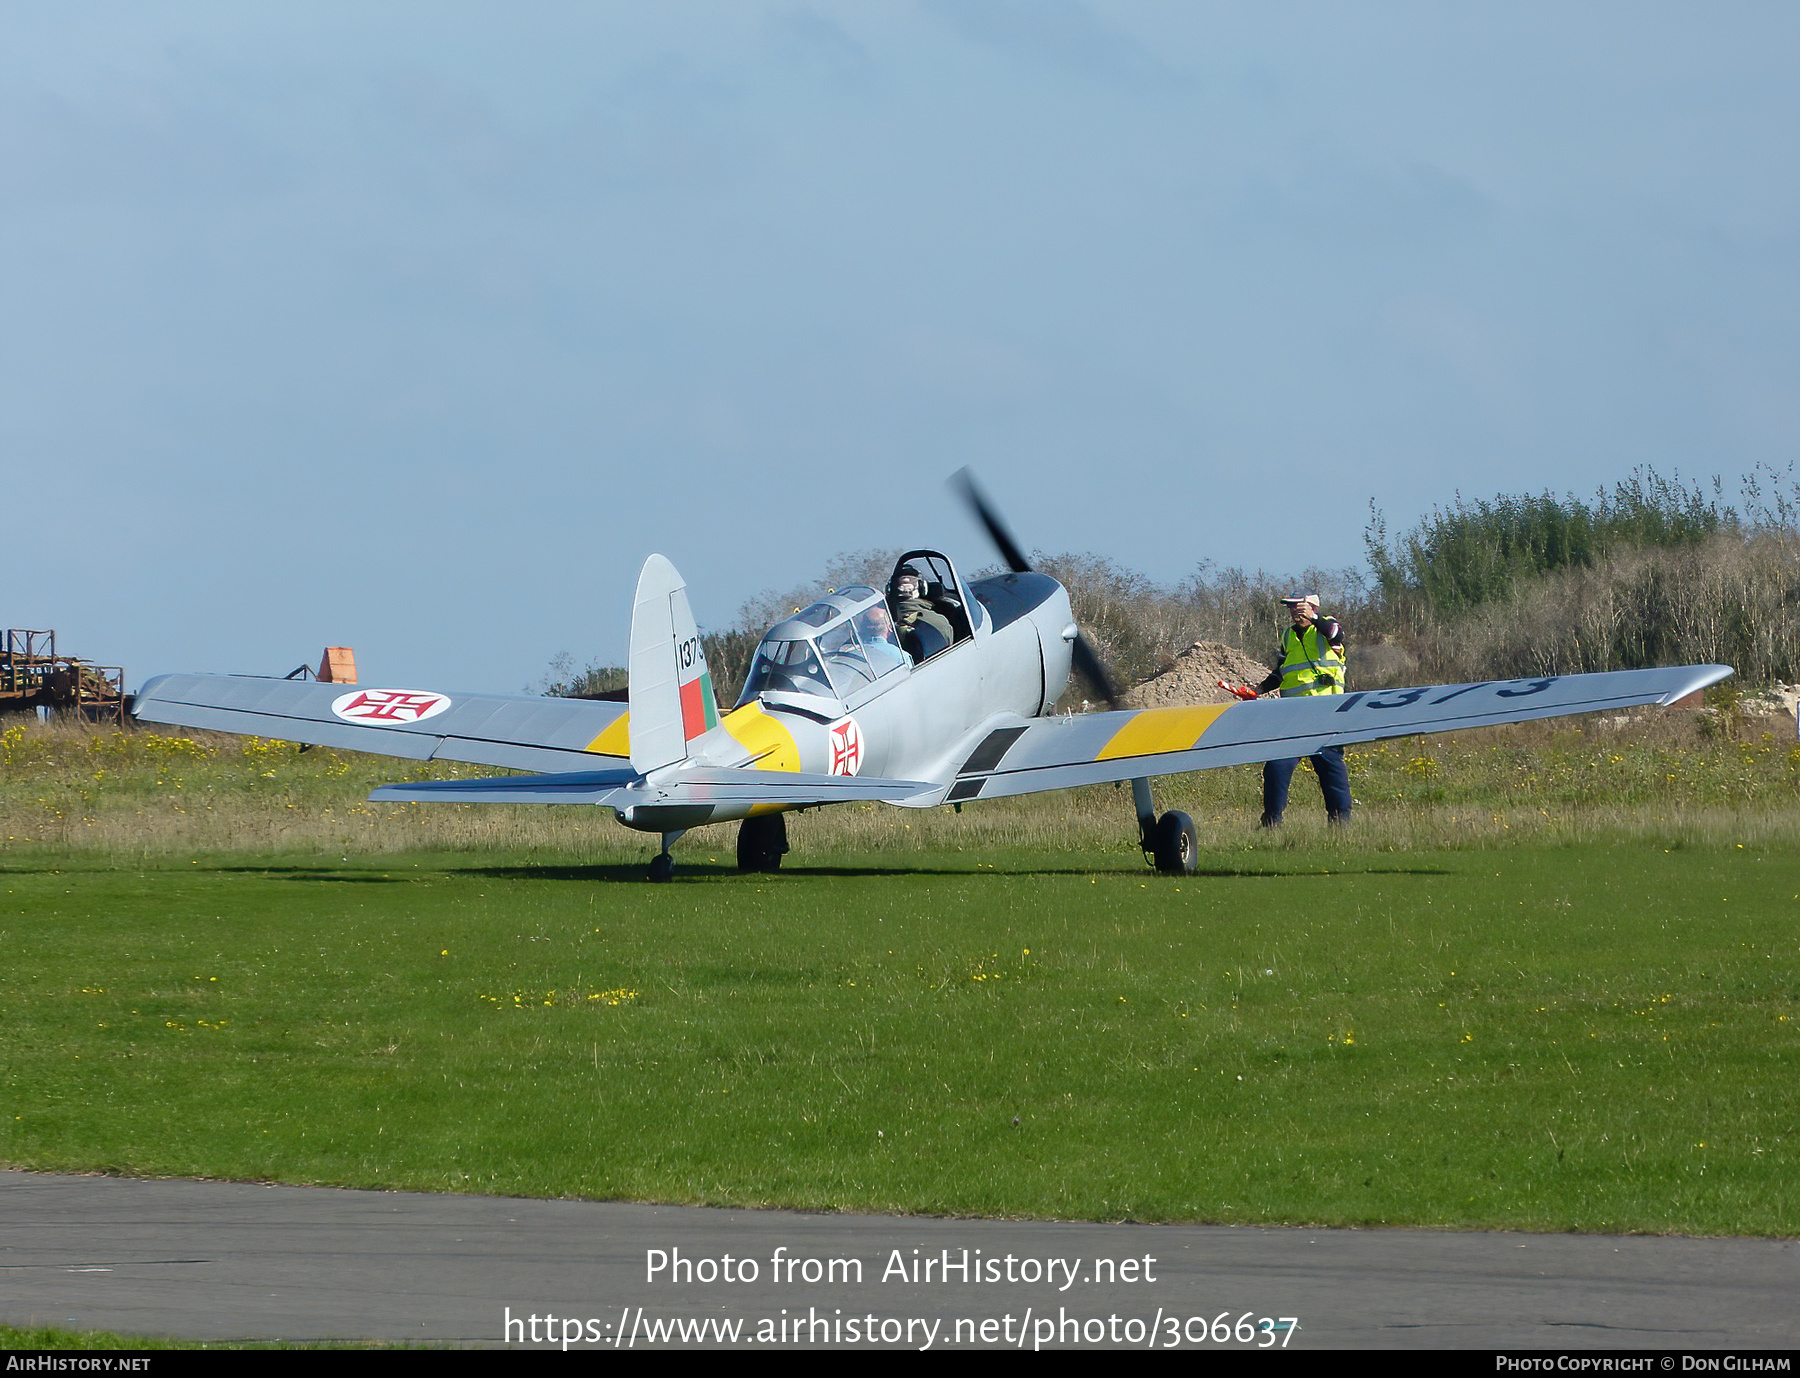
point(670, 688)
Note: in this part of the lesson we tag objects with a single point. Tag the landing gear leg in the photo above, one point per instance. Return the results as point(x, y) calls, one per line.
point(1170, 841)
point(762, 842)
point(662, 865)
point(1146, 814)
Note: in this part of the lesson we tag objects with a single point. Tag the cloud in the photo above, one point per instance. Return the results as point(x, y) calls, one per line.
point(965, 364)
point(1344, 204)
point(808, 38)
point(1061, 33)
point(1460, 340)
point(134, 142)
point(659, 128)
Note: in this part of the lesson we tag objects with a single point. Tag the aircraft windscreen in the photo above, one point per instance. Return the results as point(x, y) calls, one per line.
point(792, 666)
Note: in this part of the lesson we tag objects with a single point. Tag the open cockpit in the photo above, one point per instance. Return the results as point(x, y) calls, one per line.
point(926, 599)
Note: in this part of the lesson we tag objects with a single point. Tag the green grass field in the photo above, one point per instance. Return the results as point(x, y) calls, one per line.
point(25, 1338)
point(1595, 1036)
point(1547, 981)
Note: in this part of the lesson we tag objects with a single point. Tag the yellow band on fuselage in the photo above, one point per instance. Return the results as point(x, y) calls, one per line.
point(770, 744)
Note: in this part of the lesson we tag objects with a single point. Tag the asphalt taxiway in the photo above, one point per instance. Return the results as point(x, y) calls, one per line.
point(221, 1260)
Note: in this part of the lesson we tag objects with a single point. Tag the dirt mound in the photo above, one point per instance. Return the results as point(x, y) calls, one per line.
point(1195, 675)
point(1775, 700)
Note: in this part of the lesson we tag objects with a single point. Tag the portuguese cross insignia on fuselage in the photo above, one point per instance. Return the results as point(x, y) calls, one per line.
point(846, 747)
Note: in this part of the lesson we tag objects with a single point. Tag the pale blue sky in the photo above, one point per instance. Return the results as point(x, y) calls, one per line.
point(415, 327)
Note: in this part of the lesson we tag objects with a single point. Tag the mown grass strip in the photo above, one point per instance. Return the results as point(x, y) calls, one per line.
point(25, 1339)
point(1582, 1036)
point(1658, 776)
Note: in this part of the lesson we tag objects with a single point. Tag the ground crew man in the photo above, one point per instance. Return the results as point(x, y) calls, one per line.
point(1312, 662)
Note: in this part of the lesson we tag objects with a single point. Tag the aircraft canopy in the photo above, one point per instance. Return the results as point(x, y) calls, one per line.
point(839, 645)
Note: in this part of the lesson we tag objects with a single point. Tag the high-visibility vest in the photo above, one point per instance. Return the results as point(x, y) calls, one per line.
point(1310, 664)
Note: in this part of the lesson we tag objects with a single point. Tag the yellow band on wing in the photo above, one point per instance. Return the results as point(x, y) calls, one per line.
point(1157, 730)
point(616, 740)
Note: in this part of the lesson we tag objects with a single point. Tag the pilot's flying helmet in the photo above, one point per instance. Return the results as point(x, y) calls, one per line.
point(900, 575)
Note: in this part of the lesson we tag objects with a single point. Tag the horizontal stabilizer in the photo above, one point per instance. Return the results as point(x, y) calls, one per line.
point(623, 789)
point(570, 787)
point(725, 784)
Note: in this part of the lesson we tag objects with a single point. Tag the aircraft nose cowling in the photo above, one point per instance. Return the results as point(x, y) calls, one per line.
point(1057, 654)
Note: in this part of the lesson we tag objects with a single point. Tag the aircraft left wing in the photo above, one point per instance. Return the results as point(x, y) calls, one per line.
point(518, 733)
point(1028, 755)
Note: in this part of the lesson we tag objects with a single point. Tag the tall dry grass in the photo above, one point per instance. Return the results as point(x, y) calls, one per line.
point(1733, 599)
point(1650, 573)
point(1675, 778)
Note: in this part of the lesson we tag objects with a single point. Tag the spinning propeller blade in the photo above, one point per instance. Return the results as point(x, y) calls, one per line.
point(964, 483)
point(1086, 659)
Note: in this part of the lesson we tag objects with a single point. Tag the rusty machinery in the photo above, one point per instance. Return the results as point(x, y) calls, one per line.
point(33, 676)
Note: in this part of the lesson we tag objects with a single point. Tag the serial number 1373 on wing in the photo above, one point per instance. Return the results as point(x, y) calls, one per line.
point(843, 704)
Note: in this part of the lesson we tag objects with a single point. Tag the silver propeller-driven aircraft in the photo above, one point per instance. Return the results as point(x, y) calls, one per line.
point(842, 705)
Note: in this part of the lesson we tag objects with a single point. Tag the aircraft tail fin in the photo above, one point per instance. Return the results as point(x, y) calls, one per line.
point(671, 691)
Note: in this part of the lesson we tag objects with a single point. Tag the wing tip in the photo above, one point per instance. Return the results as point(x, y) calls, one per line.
point(1702, 677)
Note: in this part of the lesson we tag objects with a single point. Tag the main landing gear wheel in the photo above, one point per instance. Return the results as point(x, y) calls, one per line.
point(662, 867)
point(761, 843)
point(1175, 845)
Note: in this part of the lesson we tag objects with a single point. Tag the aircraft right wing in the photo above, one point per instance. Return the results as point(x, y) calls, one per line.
point(523, 733)
point(1095, 748)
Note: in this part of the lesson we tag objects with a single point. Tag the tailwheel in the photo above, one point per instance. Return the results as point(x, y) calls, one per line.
point(1175, 845)
point(762, 842)
point(662, 865)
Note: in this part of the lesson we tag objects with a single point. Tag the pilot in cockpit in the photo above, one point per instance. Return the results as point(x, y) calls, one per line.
point(924, 631)
point(879, 640)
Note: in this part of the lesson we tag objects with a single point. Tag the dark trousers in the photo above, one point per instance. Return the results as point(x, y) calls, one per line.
point(1334, 784)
